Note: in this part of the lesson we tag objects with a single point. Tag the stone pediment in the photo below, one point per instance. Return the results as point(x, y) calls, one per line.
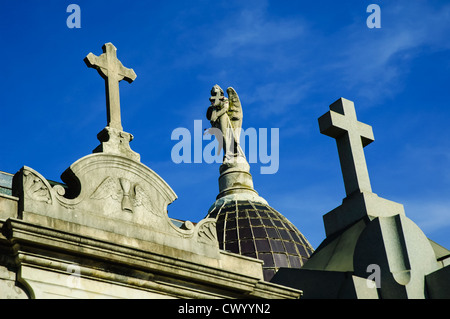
point(113, 198)
point(110, 195)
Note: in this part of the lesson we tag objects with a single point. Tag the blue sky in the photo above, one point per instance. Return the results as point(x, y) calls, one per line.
point(287, 60)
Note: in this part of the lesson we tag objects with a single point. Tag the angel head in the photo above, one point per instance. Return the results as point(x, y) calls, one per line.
point(217, 96)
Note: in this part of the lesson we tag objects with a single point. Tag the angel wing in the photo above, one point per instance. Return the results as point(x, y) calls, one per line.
point(235, 109)
point(142, 199)
point(110, 187)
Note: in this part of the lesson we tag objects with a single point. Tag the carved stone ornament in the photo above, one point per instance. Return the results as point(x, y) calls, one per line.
point(122, 190)
point(106, 194)
point(207, 232)
point(36, 187)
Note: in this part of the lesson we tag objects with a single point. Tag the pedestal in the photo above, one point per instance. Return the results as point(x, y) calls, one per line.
point(114, 141)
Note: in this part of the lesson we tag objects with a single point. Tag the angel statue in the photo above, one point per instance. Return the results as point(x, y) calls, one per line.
point(225, 115)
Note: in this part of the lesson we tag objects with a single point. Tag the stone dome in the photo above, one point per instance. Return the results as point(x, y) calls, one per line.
point(254, 229)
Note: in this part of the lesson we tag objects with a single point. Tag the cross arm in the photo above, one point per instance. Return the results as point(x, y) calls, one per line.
point(97, 63)
point(366, 133)
point(91, 60)
point(128, 74)
point(334, 124)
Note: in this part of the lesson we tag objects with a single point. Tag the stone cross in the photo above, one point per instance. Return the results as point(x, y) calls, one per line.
point(351, 136)
point(112, 70)
point(216, 96)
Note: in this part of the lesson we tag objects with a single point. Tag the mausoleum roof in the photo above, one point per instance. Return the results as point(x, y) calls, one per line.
point(6, 183)
point(255, 229)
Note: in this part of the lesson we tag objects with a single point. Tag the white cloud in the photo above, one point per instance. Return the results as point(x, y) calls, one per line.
point(251, 32)
point(373, 60)
point(280, 62)
point(297, 58)
point(276, 97)
point(431, 216)
point(433, 162)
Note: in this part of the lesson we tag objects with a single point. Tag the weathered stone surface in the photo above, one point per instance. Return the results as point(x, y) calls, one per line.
point(112, 70)
point(8, 206)
point(357, 206)
point(58, 264)
point(116, 142)
point(109, 195)
point(235, 180)
point(403, 253)
point(9, 287)
point(113, 139)
point(107, 234)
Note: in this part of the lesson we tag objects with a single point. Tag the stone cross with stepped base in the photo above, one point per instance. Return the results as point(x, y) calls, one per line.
point(372, 249)
point(351, 137)
point(113, 139)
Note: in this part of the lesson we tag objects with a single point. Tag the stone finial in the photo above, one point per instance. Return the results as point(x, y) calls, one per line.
point(112, 70)
point(225, 115)
point(113, 139)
